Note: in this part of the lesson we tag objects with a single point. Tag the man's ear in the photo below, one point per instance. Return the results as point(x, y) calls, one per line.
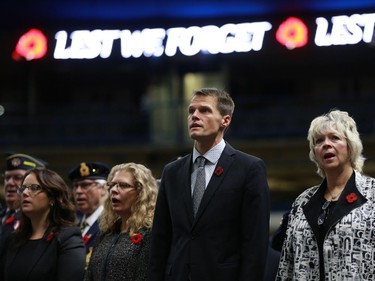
point(226, 121)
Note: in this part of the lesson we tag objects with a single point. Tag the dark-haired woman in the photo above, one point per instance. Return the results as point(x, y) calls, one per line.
point(47, 245)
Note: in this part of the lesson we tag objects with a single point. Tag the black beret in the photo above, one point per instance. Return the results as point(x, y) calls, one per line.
point(89, 170)
point(15, 161)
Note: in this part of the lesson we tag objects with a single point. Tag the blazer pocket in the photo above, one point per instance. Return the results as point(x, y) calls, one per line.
point(228, 271)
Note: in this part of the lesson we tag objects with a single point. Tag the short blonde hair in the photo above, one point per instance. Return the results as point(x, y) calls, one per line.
point(346, 126)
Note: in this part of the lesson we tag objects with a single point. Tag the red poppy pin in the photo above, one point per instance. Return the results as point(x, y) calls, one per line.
point(136, 238)
point(49, 237)
point(86, 238)
point(351, 197)
point(9, 220)
point(219, 171)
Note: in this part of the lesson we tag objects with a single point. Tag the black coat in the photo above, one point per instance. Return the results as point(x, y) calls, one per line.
point(228, 239)
point(7, 227)
point(60, 257)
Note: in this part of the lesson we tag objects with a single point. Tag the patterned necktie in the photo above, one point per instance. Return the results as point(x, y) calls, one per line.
point(200, 184)
point(83, 225)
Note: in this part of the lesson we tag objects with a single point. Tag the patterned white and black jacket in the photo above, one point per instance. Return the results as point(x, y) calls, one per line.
point(349, 245)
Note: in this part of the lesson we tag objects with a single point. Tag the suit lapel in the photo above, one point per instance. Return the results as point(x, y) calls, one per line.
point(89, 237)
point(342, 208)
point(225, 161)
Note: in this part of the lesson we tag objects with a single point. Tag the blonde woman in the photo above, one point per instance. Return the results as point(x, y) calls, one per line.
point(330, 232)
point(122, 250)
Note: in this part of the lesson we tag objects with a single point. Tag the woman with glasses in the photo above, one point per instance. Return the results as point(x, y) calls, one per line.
point(331, 227)
point(47, 245)
point(121, 251)
point(16, 166)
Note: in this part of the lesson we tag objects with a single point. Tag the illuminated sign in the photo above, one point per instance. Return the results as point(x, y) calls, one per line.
point(189, 41)
point(210, 39)
point(345, 30)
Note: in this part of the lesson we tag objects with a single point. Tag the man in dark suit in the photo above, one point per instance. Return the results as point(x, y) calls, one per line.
point(224, 237)
point(89, 179)
point(16, 166)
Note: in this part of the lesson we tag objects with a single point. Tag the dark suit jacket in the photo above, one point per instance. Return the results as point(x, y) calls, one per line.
point(62, 258)
point(228, 239)
point(91, 235)
point(7, 228)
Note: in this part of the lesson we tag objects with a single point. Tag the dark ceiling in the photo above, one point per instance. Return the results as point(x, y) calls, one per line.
point(106, 10)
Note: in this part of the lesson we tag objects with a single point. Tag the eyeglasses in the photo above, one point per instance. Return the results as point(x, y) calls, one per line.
point(323, 216)
point(14, 177)
point(121, 185)
point(84, 185)
point(33, 188)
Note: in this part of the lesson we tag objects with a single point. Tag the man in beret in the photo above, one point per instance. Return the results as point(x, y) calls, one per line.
point(89, 179)
point(16, 166)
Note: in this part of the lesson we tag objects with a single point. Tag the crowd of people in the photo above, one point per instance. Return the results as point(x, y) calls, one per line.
point(205, 219)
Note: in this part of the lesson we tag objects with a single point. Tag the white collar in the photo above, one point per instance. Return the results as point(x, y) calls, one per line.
point(94, 216)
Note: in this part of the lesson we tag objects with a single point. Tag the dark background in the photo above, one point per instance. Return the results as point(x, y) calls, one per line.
point(97, 110)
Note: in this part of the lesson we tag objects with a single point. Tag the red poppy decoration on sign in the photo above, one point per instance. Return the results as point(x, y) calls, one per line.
point(292, 33)
point(86, 238)
point(351, 197)
point(31, 45)
point(219, 171)
point(9, 220)
point(50, 235)
point(136, 238)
